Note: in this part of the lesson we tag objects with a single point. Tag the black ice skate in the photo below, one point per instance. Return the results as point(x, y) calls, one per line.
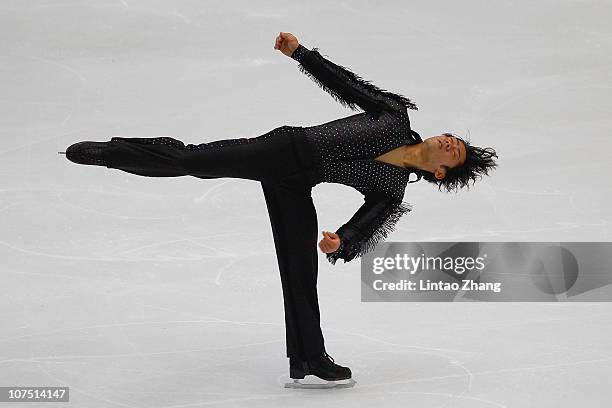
point(87, 153)
point(323, 367)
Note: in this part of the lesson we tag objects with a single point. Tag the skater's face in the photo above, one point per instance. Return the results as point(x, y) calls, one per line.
point(444, 151)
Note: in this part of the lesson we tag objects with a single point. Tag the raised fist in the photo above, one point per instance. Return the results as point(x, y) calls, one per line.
point(286, 43)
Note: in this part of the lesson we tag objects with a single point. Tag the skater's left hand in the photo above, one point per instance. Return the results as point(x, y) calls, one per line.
point(330, 242)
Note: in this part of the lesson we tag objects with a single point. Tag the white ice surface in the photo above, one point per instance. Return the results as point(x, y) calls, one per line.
point(153, 292)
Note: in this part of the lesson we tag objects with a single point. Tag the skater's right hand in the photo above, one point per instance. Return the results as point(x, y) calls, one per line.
point(286, 43)
point(330, 242)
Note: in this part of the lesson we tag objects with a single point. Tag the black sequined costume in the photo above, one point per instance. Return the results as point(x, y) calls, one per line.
point(346, 150)
point(288, 161)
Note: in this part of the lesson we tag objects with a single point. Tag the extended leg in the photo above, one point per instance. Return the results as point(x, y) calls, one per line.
point(268, 157)
point(150, 157)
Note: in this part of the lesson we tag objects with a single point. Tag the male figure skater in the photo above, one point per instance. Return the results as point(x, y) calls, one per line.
point(374, 152)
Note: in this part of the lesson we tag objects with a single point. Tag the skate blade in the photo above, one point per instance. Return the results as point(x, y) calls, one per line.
point(348, 383)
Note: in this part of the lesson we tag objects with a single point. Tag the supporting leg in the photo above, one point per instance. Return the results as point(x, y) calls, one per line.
point(294, 227)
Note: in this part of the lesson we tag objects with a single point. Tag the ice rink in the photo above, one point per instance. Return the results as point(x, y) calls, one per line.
point(165, 292)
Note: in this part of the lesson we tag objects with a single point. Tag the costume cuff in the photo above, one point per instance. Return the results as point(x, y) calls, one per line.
point(299, 53)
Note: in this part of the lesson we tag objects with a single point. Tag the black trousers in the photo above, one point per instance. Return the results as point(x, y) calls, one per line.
point(280, 161)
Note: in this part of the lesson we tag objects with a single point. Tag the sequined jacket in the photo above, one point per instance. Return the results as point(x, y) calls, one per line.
point(346, 149)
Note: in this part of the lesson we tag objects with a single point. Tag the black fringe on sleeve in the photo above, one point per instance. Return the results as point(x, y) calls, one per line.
point(363, 244)
point(349, 96)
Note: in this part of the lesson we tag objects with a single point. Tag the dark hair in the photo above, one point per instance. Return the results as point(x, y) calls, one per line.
point(478, 161)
